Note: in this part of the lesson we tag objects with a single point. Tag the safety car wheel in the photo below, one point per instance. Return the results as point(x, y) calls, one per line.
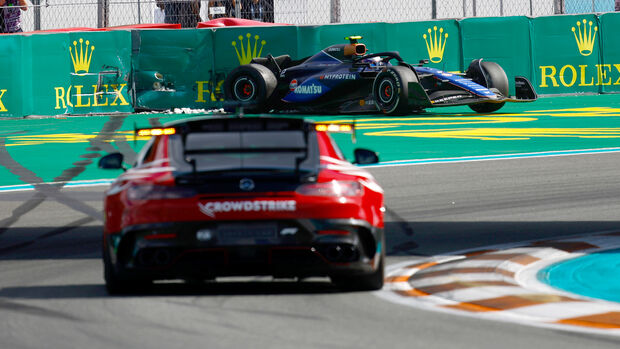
point(116, 285)
point(390, 90)
point(249, 86)
point(489, 75)
point(368, 282)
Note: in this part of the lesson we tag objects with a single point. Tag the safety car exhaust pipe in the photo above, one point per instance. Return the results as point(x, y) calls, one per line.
point(334, 253)
point(341, 253)
point(151, 257)
point(162, 256)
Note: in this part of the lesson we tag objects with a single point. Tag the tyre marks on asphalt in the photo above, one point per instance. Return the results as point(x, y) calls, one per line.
point(44, 191)
point(501, 283)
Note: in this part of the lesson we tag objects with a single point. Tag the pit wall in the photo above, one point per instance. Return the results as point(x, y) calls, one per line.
point(131, 70)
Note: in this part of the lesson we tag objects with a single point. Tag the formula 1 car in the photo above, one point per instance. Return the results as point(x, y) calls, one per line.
point(243, 196)
point(346, 79)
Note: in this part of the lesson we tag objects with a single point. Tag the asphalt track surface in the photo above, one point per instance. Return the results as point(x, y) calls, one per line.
point(52, 293)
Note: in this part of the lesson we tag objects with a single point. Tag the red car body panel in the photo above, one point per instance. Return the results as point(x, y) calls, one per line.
point(148, 211)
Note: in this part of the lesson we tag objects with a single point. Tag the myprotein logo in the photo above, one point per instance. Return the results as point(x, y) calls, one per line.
point(339, 76)
point(248, 50)
point(435, 44)
point(91, 93)
point(212, 208)
point(581, 75)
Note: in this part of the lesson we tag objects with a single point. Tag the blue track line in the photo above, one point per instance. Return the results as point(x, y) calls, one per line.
point(22, 187)
point(494, 157)
point(74, 184)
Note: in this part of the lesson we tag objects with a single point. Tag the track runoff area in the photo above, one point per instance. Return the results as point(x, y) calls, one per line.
point(535, 282)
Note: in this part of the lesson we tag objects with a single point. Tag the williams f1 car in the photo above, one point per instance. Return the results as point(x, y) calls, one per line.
point(243, 196)
point(347, 79)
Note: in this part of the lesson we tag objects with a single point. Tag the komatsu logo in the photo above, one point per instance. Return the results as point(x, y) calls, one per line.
point(311, 89)
point(212, 208)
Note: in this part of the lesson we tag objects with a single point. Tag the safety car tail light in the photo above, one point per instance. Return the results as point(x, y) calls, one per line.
point(158, 192)
point(333, 188)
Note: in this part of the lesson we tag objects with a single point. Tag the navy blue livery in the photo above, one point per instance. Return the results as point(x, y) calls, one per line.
point(346, 79)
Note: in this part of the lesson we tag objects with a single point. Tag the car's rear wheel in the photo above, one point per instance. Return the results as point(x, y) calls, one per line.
point(249, 86)
point(490, 75)
point(390, 90)
point(366, 282)
point(117, 285)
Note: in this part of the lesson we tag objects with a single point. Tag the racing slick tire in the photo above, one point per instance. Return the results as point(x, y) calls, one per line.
point(489, 75)
point(250, 86)
point(391, 88)
point(116, 285)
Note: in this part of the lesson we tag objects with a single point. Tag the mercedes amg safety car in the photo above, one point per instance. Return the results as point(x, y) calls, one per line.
point(243, 196)
point(346, 79)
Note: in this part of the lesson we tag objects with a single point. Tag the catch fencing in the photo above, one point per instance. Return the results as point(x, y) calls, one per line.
point(58, 14)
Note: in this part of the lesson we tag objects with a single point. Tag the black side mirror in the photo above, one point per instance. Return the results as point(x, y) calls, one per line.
point(112, 161)
point(365, 156)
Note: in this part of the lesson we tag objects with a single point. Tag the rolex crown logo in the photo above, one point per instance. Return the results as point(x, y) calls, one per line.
point(585, 37)
point(245, 53)
point(435, 44)
point(81, 57)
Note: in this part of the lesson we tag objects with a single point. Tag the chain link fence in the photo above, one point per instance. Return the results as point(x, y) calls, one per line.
point(58, 14)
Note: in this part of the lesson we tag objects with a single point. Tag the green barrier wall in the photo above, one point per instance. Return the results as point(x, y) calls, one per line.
point(494, 39)
point(566, 51)
point(117, 71)
point(65, 73)
point(173, 68)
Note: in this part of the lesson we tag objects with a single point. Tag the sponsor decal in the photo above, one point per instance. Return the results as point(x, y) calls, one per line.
point(81, 58)
point(246, 184)
point(581, 75)
point(310, 89)
point(212, 208)
point(213, 91)
point(339, 76)
point(2, 107)
point(84, 96)
point(435, 44)
point(450, 98)
point(249, 51)
point(334, 49)
point(288, 231)
point(293, 85)
point(585, 37)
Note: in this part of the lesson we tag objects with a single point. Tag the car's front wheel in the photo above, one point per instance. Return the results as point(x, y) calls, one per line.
point(490, 75)
point(249, 86)
point(390, 90)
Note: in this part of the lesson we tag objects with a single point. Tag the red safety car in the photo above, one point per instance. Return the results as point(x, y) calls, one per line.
point(232, 196)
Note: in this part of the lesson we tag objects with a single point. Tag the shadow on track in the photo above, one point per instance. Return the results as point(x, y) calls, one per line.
point(432, 238)
point(402, 238)
point(228, 288)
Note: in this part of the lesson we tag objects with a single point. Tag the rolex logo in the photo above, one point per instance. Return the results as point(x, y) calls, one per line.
point(435, 44)
point(246, 52)
point(585, 37)
point(81, 57)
